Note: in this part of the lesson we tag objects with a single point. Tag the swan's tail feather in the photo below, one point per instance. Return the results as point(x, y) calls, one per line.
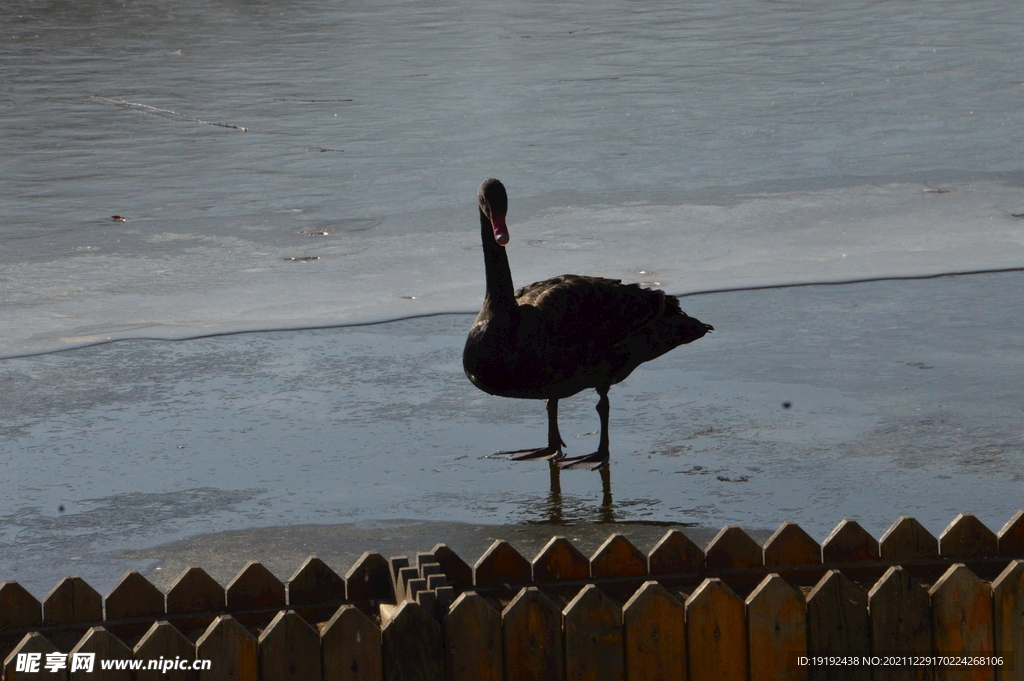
point(687, 329)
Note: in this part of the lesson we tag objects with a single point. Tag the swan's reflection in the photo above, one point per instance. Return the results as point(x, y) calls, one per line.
point(554, 512)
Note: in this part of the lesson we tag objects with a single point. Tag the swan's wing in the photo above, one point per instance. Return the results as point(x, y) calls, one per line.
point(575, 310)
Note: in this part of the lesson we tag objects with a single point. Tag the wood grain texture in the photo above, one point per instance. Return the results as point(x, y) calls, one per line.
point(72, 600)
point(675, 554)
point(233, 651)
point(289, 650)
point(162, 640)
point(369, 580)
point(255, 587)
point(791, 545)
point(732, 549)
point(966, 539)
point(32, 644)
point(837, 622)
point(848, 543)
point(411, 645)
point(1011, 537)
point(559, 560)
point(501, 565)
point(314, 583)
point(592, 624)
point(716, 633)
point(350, 645)
point(617, 557)
point(962, 620)
point(907, 539)
point(134, 596)
point(654, 635)
point(472, 636)
point(459, 573)
point(776, 631)
point(900, 612)
point(105, 646)
point(194, 591)
point(1008, 620)
point(532, 637)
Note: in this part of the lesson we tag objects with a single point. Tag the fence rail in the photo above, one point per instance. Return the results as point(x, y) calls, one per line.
point(733, 610)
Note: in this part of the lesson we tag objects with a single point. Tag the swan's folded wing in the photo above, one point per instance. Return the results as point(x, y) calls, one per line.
point(579, 311)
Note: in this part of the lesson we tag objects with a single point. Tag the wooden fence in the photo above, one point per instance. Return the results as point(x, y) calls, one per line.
point(734, 610)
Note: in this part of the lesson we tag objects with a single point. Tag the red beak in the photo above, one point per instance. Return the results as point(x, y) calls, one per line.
point(500, 230)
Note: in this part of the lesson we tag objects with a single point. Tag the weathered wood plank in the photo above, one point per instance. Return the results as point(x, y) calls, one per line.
point(559, 560)
point(397, 563)
point(132, 597)
point(472, 636)
point(72, 600)
point(849, 543)
point(369, 582)
point(789, 546)
point(351, 647)
point(908, 541)
point(837, 622)
point(532, 637)
point(405, 575)
point(18, 610)
point(1008, 620)
point(1011, 537)
point(732, 549)
point(967, 540)
point(411, 645)
point(592, 623)
point(289, 650)
point(37, 647)
point(675, 554)
point(502, 565)
point(776, 630)
point(233, 651)
point(166, 647)
point(195, 592)
point(716, 633)
point(962, 620)
point(103, 646)
point(654, 635)
point(459, 573)
point(315, 591)
point(315, 584)
point(617, 557)
point(255, 587)
point(900, 613)
point(428, 601)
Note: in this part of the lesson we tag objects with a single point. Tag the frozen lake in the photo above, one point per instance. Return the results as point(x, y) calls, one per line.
point(905, 398)
point(700, 147)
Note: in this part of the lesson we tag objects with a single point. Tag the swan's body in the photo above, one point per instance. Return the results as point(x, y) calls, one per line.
point(554, 338)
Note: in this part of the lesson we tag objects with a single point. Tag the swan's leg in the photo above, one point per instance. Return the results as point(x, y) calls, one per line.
point(553, 450)
point(599, 459)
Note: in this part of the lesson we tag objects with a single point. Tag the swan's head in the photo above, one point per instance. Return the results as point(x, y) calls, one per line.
point(494, 204)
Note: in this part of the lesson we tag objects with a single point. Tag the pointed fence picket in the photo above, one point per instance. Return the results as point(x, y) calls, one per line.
point(901, 624)
point(731, 610)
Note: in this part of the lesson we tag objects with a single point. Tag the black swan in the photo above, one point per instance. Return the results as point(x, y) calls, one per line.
point(554, 338)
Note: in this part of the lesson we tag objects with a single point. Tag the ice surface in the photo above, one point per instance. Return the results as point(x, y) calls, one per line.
point(715, 145)
point(905, 399)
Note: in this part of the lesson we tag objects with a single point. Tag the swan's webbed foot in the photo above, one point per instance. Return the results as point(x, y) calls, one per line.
point(549, 453)
point(590, 462)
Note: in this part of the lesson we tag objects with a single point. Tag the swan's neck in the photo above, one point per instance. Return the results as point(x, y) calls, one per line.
point(500, 296)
